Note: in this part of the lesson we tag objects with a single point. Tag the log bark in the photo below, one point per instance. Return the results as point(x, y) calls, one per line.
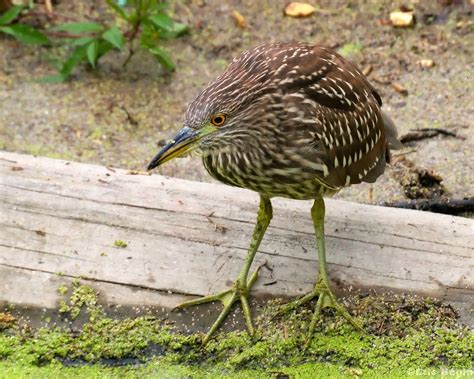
point(60, 220)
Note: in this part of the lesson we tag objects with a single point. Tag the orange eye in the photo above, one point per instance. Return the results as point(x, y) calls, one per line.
point(218, 119)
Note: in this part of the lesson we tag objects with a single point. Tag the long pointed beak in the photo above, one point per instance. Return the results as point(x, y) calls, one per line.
point(182, 143)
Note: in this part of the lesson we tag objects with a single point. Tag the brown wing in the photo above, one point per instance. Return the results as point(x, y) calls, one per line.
point(341, 115)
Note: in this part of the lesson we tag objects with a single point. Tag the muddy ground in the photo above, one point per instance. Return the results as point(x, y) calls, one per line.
point(117, 116)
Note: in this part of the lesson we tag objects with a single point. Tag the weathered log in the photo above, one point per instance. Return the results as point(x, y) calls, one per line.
point(60, 220)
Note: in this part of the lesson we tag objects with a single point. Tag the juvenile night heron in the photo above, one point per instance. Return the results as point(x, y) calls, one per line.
point(292, 120)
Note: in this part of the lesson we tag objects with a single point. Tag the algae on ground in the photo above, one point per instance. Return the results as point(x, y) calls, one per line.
point(404, 334)
point(120, 243)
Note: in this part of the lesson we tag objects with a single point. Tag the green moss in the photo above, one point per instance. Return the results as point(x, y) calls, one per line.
point(120, 243)
point(158, 369)
point(351, 49)
point(83, 297)
point(62, 289)
point(404, 335)
point(155, 369)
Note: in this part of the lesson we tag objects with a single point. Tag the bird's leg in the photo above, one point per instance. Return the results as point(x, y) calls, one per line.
point(321, 289)
point(326, 297)
point(241, 288)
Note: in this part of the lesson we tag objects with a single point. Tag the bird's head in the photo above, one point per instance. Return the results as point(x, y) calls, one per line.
point(191, 138)
point(227, 109)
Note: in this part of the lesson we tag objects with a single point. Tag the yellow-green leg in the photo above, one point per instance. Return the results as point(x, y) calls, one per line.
point(241, 288)
point(321, 289)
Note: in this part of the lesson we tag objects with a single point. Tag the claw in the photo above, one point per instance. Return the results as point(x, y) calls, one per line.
point(326, 299)
point(228, 298)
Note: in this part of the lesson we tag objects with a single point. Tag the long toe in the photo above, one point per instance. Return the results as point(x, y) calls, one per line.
point(238, 292)
point(326, 299)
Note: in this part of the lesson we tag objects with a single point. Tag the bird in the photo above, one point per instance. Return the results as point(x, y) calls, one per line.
point(286, 119)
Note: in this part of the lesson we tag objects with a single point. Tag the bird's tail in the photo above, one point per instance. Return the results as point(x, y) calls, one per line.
point(393, 144)
point(391, 132)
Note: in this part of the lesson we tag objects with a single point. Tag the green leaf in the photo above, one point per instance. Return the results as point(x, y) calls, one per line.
point(10, 14)
point(115, 37)
point(93, 52)
point(163, 58)
point(54, 61)
point(145, 7)
point(148, 36)
point(178, 30)
point(79, 27)
point(162, 21)
point(82, 41)
point(119, 10)
point(104, 47)
point(77, 55)
point(160, 7)
point(167, 27)
point(26, 34)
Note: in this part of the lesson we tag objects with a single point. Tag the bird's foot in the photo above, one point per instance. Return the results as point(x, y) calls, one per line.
point(239, 291)
point(326, 299)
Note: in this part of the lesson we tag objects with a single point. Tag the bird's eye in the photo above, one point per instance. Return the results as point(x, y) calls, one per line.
point(218, 120)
